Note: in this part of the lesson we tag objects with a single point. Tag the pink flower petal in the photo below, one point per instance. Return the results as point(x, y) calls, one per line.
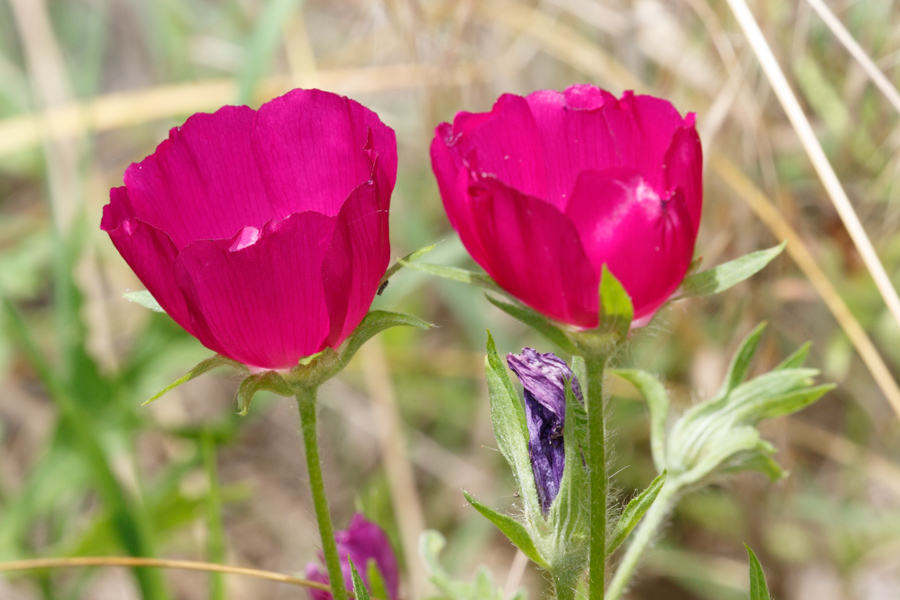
point(261, 304)
point(504, 144)
point(149, 252)
point(356, 259)
point(684, 169)
point(314, 148)
point(623, 223)
point(203, 182)
point(531, 250)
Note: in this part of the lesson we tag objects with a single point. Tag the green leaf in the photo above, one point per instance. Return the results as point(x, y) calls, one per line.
point(510, 428)
point(740, 363)
point(654, 392)
point(536, 321)
point(616, 309)
point(795, 360)
point(207, 365)
point(145, 299)
point(634, 512)
point(376, 581)
point(455, 274)
point(359, 588)
point(511, 528)
point(375, 322)
point(720, 278)
point(758, 588)
point(412, 256)
point(269, 381)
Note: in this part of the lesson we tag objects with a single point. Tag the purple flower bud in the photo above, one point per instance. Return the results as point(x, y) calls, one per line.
point(544, 378)
point(363, 541)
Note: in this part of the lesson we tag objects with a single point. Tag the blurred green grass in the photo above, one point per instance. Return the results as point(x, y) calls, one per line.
point(84, 470)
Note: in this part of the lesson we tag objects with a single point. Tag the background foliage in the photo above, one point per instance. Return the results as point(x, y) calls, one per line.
point(88, 86)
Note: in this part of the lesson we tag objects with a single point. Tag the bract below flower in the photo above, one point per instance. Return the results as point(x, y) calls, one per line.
point(544, 190)
point(543, 377)
point(263, 233)
point(363, 541)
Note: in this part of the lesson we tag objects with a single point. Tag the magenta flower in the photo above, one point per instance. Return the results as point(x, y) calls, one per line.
point(263, 233)
point(543, 378)
point(545, 190)
point(363, 541)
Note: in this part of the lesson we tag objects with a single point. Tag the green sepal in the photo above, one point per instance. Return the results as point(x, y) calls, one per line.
point(202, 367)
point(633, 513)
point(616, 309)
point(359, 588)
point(412, 256)
point(269, 381)
point(536, 321)
point(758, 588)
point(510, 428)
point(720, 278)
point(145, 299)
point(657, 398)
point(373, 323)
point(455, 274)
point(376, 581)
point(512, 529)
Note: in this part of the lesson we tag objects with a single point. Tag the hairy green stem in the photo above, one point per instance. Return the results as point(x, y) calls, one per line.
point(565, 588)
point(306, 402)
point(595, 365)
point(641, 539)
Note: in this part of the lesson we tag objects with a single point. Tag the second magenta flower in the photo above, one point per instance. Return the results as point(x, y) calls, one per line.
point(544, 190)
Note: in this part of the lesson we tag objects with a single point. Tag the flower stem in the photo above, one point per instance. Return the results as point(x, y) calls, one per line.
point(641, 539)
point(595, 366)
point(306, 402)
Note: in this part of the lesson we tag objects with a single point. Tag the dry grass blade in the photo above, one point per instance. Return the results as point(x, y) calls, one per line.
point(817, 156)
point(113, 111)
point(868, 65)
point(160, 563)
point(782, 230)
point(405, 496)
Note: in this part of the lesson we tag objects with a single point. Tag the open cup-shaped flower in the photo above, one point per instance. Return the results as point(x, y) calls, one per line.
point(263, 233)
point(547, 189)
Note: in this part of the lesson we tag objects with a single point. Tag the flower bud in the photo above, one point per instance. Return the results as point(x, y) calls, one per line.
point(544, 376)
